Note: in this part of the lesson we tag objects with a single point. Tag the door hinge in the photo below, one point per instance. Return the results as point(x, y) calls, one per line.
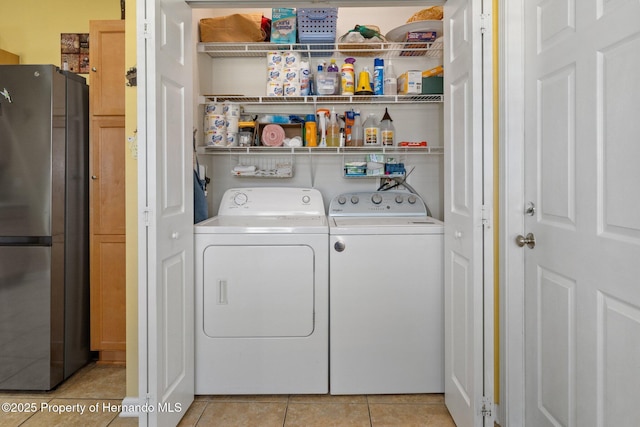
point(485, 215)
point(146, 30)
point(486, 407)
point(146, 214)
point(485, 21)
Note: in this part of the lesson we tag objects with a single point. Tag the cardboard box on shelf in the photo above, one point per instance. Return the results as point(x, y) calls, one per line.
point(290, 130)
point(432, 85)
point(410, 82)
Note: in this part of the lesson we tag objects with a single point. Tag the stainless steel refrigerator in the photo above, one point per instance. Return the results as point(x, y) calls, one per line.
point(44, 226)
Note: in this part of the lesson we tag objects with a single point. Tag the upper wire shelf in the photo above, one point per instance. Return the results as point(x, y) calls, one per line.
point(389, 49)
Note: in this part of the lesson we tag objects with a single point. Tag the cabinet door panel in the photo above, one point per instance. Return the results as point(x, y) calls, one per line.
point(108, 280)
point(107, 77)
point(108, 175)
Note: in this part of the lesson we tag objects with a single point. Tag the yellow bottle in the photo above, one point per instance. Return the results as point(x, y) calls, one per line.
point(347, 78)
point(310, 131)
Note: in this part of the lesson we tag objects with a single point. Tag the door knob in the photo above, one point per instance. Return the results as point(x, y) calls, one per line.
point(530, 240)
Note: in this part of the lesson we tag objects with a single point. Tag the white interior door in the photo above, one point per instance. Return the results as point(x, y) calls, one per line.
point(468, 198)
point(166, 347)
point(582, 295)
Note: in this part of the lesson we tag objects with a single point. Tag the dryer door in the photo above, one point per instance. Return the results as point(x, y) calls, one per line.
point(254, 291)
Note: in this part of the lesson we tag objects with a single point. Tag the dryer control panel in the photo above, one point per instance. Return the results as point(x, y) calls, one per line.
point(271, 201)
point(378, 203)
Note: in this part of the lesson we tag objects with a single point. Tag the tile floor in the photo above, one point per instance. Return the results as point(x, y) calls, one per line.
point(101, 385)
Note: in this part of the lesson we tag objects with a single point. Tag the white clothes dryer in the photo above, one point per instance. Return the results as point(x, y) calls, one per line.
point(262, 294)
point(386, 295)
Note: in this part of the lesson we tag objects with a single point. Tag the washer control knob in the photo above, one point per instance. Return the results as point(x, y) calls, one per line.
point(412, 199)
point(240, 199)
point(306, 199)
point(399, 198)
point(342, 200)
point(355, 200)
point(339, 246)
point(376, 199)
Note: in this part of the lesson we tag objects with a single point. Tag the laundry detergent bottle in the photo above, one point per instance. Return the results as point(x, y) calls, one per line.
point(311, 131)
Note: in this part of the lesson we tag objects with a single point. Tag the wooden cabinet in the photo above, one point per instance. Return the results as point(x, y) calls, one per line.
point(107, 190)
point(107, 77)
point(107, 173)
point(8, 58)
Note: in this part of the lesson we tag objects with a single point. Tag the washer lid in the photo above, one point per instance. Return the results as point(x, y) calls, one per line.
point(385, 225)
point(293, 224)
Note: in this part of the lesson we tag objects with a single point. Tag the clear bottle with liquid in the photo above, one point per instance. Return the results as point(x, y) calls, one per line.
point(390, 80)
point(357, 138)
point(371, 130)
point(387, 131)
point(333, 73)
point(333, 131)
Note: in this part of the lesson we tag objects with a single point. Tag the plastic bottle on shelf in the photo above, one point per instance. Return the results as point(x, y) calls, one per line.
point(371, 130)
point(378, 76)
point(305, 78)
point(357, 139)
point(348, 77)
point(310, 131)
point(390, 79)
point(333, 132)
point(365, 85)
point(333, 73)
point(387, 131)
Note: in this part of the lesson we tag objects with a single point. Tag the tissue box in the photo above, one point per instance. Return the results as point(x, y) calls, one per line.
point(418, 36)
point(283, 25)
point(410, 82)
point(432, 86)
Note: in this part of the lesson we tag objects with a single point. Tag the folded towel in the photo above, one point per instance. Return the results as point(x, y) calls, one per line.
point(244, 168)
point(296, 141)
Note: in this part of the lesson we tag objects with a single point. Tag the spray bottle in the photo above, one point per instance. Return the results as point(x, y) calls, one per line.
point(322, 118)
point(357, 138)
point(333, 133)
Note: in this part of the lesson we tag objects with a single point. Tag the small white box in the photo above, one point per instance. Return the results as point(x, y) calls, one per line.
point(410, 82)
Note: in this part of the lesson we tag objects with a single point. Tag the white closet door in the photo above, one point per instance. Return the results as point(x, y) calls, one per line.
point(166, 347)
point(468, 202)
point(582, 300)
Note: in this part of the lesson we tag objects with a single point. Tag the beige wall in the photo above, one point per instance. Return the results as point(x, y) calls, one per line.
point(31, 28)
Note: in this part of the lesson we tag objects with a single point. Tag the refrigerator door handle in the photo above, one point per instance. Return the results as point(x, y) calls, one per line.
point(25, 240)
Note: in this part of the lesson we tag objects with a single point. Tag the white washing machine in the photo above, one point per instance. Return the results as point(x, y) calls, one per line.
point(386, 295)
point(262, 294)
